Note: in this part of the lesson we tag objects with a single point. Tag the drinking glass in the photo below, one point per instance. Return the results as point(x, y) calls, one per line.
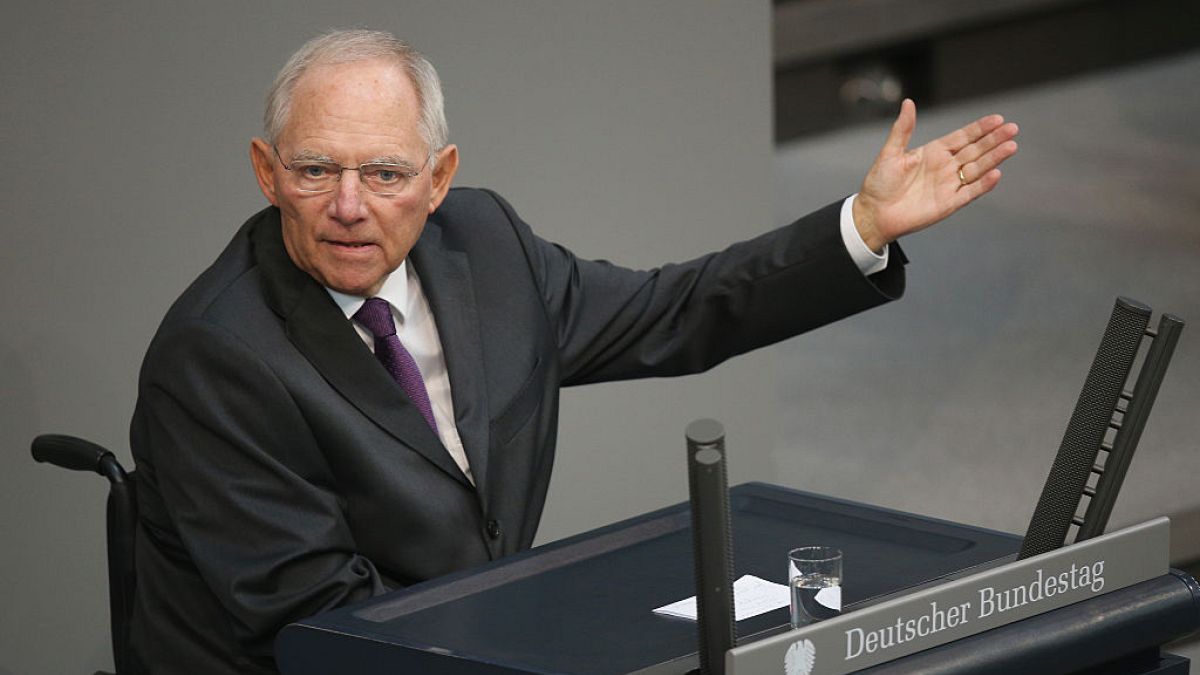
point(815, 577)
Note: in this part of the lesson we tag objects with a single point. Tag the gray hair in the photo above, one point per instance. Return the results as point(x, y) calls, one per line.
point(347, 46)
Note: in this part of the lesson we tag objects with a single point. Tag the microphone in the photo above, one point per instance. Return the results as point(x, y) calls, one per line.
point(712, 546)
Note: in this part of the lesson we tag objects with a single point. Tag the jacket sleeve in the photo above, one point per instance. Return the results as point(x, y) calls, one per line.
point(615, 323)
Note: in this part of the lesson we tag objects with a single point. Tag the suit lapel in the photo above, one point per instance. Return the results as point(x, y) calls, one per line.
point(322, 334)
point(446, 280)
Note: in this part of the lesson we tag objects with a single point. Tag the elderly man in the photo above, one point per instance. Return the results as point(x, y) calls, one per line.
point(362, 391)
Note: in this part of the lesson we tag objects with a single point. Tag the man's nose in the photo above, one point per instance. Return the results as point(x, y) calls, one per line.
point(348, 205)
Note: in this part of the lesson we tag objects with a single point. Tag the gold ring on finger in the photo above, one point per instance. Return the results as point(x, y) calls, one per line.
point(962, 179)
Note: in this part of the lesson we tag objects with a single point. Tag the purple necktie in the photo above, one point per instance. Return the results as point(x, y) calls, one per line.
point(376, 316)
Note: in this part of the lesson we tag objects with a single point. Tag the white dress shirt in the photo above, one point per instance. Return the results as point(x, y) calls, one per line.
point(418, 331)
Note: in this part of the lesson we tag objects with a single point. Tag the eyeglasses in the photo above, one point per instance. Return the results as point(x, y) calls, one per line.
point(314, 176)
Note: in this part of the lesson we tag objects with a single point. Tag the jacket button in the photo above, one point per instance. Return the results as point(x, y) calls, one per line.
point(493, 529)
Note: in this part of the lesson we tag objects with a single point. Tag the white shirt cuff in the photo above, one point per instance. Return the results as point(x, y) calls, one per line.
point(868, 261)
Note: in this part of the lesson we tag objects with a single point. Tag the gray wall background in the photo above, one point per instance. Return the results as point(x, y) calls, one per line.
point(627, 130)
point(634, 131)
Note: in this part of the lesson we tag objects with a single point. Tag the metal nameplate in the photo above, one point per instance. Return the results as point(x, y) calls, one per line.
point(955, 609)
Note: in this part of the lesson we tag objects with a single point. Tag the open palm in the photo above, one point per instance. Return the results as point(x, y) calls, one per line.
point(909, 190)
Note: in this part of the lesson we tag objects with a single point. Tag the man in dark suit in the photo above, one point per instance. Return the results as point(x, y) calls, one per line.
point(362, 391)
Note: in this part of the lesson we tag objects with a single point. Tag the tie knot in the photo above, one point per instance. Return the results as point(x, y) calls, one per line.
point(376, 316)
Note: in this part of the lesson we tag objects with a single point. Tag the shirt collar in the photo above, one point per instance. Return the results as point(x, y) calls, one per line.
point(394, 290)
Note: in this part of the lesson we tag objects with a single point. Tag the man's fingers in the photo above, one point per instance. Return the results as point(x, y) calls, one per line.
point(902, 129)
point(981, 167)
point(961, 138)
point(972, 191)
point(979, 148)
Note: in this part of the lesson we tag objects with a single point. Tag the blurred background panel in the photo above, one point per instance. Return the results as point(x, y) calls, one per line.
point(839, 62)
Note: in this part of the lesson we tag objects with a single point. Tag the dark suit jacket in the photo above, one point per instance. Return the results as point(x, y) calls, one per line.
point(282, 472)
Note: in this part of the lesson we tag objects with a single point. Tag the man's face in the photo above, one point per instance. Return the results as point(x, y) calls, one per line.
point(350, 239)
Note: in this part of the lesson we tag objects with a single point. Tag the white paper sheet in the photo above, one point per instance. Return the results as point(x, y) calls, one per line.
point(751, 596)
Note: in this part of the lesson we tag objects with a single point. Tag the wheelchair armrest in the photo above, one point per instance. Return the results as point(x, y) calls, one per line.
point(77, 454)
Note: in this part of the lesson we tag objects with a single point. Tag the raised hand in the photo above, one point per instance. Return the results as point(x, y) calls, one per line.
point(909, 190)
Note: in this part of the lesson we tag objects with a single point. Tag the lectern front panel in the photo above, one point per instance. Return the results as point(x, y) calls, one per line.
point(584, 605)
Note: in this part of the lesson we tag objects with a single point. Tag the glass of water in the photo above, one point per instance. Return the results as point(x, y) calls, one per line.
point(815, 577)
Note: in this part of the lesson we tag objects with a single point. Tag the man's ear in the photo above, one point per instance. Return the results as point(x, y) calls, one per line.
point(262, 157)
point(443, 175)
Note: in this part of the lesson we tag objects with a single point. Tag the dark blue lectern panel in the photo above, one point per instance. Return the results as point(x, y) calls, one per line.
point(583, 605)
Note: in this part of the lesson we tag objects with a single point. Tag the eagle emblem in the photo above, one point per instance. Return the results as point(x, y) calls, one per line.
point(800, 658)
